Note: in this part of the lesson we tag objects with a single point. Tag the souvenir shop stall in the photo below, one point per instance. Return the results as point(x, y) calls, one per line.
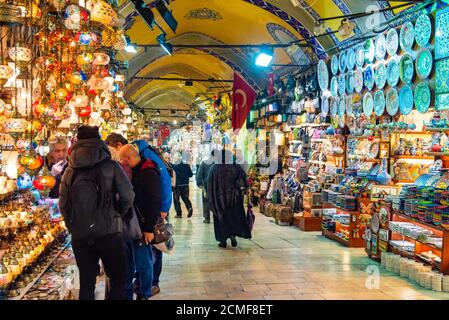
point(369, 147)
point(57, 71)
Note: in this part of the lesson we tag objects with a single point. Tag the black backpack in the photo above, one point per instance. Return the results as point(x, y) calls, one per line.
point(90, 204)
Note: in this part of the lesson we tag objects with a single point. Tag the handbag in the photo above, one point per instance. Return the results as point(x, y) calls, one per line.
point(131, 226)
point(250, 218)
point(161, 232)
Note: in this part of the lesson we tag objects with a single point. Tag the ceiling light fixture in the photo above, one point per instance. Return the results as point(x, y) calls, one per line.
point(168, 48)
point(264, 57)
point(130, 47)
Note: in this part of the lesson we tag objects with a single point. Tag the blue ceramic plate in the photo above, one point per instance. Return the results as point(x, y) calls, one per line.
point(349, 110)
point(334, 65)
point(324, 106)
point(381, 50)
point(360, 56)
point(368, 104)
point(392, 101)
point(341, 84)
point(441, 34)
point(379, 103)
point(323, 75)
point(406, 68)
point(423, 30)
point(424, 63)
point(358, 81)
point(441, 76)
point(406, 100)
point(342, 61)
point(423, 97)
point(350, 82)
point(342, 106)
point(370, 50)
point(380, 75)
point(407, 36)
point(334, 106)
point(334, 86)
point(350, 59)
point(368, 78)
point(392, 42)
point(393, 72)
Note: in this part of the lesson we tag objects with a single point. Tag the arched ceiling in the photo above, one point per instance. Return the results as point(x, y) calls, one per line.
point(203, 22)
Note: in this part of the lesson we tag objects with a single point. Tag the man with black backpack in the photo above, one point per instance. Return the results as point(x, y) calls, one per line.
point(93, 212)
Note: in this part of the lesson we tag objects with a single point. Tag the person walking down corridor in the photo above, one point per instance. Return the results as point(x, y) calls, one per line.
point(183, 174)
point(201, 181)
point(147, 203)
point(226, 185)
point(95, 195)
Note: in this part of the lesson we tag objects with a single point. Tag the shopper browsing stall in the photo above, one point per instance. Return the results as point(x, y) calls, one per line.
point(183, 174)
point(56, 162)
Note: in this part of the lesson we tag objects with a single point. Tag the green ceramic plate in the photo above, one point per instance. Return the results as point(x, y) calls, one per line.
point(406, 68)
point(423, 97)
point(406, 100)
point(423, 30)
point(392, 42)
point(323, 75)
point(370, 50)
point(391, 101)
point(379, 103)
point(380, 76)
point(407, 36)
point(393, 72)
point(424, 63)
point(368, 104)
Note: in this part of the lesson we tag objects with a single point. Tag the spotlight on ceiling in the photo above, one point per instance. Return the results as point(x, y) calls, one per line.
point(189, 83)
point(130, 47)
point(264, 57)
point(168, 48)
point(145, 12)
point(158, 112)
point(175, 122)
point(346, 28)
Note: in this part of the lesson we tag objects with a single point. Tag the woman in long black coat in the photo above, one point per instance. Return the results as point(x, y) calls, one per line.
point(226, 184)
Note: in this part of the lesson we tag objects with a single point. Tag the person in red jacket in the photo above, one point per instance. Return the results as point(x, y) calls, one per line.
point(147, 203)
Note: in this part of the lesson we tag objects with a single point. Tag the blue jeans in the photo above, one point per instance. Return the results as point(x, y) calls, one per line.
point(140, 261)
point(157, 267)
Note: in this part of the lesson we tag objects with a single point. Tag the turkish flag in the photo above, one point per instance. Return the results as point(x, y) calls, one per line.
point(271, 84)
point(242, 100)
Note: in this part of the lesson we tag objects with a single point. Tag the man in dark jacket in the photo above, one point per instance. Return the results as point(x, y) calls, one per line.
point(56, 162)
point(146, 183)
point(183, 174)
point(90, 157)
point(201, 181)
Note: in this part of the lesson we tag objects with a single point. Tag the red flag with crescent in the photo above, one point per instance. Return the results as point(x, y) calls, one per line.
point(242, 100)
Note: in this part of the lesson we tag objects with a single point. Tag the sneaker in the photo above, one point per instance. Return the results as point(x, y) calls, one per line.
point(222, 244)
point(190, 213)
point(206, 221)
point(155, 290)
point(233, 242)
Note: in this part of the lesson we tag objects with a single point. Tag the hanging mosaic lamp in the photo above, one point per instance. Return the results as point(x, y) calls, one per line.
point(6, 72)
point(103, 13)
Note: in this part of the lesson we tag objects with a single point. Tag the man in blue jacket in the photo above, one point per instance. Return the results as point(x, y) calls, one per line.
point(149, 153)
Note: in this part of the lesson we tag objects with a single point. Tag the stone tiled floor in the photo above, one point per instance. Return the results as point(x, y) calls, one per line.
point(278, 263)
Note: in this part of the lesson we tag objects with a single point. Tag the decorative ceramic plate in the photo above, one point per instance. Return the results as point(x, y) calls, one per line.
point(323, 75)
point(442, 101)
point(407, 36)
point(381, 50)
point(423, 30)
point(360, 56)
point(380, 75)
point(392, 101)
point(392, 42)
point(393, 72)
point(379, 103)
point(350, 59)
point(358, 81)
point(349, 110)
point(341, 84)
point(334, 86)
point(342, 61)
point(424, 63)
point(422, 97)
point(341, 121)
point(325, 106)
point(441, 34)
point(375, 223)
point(441, 78)
point(350, 82)
point(406, 100)
point(406, 68)
point(334, 106)
point(334, 65)
point(370, 50)
point(368, 78)
point(342, 106)
point(368, 104)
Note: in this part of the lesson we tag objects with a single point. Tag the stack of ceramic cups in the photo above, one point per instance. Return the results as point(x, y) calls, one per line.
point(446, 283)
point(437, 282)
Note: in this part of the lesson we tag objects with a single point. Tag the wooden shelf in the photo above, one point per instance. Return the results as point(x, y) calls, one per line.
point(331, 206)
point(296, 155)
point(363, 137)
point(307, 223)
point(295, 141)
point(333, 236)
point(414, 157)
point(411, 132)
point(425, 224)
point(416, 240)
point(403, 181)
point(312, 125)
point(438, 154)
point(437, 129)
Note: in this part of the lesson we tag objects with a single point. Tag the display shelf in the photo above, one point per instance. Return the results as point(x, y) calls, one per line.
point(411, 132)
point(403, 181)
point(312, 176)
point(413, 157)
point(312, 125)
point(317, 162)
point(328, 205)
point(363, 137)
point(24, 290)
point(418, 241)
point(296, 155)
point(437, 129)
point(438, 154)
point(295, 141)
point(424, 224)
point(307, 223)
point(333, 236)
point(319, 140)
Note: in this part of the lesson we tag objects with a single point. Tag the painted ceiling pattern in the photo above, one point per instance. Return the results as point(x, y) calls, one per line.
point(225, 22)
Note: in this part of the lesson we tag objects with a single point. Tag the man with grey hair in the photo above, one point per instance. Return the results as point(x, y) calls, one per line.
point(56, 162)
